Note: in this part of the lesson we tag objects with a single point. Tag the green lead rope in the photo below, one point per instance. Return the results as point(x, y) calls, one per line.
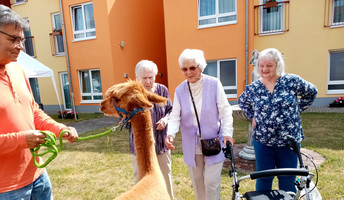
point(50, 144)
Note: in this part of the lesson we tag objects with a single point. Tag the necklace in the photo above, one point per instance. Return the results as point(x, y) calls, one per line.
point(196, 88)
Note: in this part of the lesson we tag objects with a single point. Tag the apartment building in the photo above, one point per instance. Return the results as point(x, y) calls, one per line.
point(105, 40)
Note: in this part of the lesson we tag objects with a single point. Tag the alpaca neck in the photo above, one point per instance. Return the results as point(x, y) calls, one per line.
point(144, 143)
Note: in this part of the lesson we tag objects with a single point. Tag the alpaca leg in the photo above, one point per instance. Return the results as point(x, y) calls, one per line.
point(164, 161)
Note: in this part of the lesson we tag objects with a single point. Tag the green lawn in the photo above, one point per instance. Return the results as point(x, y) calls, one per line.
point(101, 168)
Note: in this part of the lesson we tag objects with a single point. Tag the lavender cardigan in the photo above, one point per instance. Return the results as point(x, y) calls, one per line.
point(209, 120)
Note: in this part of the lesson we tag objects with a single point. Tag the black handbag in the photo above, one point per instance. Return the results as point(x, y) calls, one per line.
point(210, 147)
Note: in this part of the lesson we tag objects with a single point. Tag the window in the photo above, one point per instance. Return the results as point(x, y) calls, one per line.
point(83, 22)
point(272, 19)
point(338, 13)
point(29, 44)
point(35, 89)
point(19, 1)
point(58, 39)
point(336, 73)
point(225, 71)
point(66, 92)
point(91, 88)
point(216, 12)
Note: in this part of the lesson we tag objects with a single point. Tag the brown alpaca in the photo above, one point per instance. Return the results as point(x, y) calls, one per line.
point(128, 96)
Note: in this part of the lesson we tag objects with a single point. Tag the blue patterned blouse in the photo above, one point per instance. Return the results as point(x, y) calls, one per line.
point(278, 113)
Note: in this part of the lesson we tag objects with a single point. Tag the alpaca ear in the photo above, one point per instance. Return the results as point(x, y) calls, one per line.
point(154, 98)
point(140, 101)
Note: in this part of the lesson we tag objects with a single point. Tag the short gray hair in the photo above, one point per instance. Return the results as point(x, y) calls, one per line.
point(273, 54)
point(145, 64)
point(193, 54)
point(9, 17)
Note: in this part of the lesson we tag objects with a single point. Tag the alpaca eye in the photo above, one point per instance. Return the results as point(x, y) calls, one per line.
point(115, 99)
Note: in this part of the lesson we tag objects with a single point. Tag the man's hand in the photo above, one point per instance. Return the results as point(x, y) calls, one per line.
point(34, 138)
point(72, 135)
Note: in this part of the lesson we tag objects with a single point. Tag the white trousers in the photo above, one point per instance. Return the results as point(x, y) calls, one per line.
point(206, 180)
point(164, 161)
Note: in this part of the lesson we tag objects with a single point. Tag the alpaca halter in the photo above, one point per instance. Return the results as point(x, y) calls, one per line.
point(128, 116)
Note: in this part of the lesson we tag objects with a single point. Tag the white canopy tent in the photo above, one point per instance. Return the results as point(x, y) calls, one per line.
point(35, 69)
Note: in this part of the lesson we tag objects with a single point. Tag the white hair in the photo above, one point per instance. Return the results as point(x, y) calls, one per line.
point(145, 64)
point(9, 17)
point(193, 54)
point(272, 54)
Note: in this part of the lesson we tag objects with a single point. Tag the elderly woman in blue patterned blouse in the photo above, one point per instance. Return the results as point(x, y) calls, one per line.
point(272, 104)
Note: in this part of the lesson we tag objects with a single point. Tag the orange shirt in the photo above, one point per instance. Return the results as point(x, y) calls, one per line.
point(19, 112)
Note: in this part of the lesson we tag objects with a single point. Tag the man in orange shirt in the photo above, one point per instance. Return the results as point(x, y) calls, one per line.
point(20, 118)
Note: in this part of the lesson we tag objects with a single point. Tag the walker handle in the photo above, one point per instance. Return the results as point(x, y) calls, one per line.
point(279, 172)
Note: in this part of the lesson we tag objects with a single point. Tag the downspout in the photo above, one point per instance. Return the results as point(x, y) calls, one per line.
point(67, 58)
point(246, 46)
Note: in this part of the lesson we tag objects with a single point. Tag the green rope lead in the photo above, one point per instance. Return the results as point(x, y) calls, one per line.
point(51, 144)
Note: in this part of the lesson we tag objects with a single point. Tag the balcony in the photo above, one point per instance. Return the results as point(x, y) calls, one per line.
point(334, 13)
point(56, 43)
point(271, 19)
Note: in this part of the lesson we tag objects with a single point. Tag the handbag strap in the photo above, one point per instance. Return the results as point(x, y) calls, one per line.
point(193, 103)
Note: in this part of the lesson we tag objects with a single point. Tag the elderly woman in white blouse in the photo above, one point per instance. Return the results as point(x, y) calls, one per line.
point(215, 120)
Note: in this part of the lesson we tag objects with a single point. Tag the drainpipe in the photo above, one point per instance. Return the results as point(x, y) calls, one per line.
point(246, 46)
point(67, 57)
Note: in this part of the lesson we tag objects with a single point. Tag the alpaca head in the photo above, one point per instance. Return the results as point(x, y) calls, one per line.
point(128, 96)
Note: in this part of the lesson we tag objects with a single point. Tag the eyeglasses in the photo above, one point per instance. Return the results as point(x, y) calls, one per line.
point(185, 69)
point(16, 39)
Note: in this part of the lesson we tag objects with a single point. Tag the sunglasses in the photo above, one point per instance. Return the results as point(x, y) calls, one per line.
point(185, 69)
point(16, 39)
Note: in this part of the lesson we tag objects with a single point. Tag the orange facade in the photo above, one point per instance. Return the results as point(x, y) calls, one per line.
point(217, 42)
point(139, 25)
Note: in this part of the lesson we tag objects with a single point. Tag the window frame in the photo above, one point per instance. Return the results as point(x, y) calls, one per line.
point(91, 94)
point(84, 31)
point(335, 24)
point(329, 82)
point(271, 32)
point(58, 53)
point(218, 72)
point(217, 16)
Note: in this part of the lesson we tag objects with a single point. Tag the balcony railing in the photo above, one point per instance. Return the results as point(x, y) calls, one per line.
point(270, 20)
point(29, 46)
point(334, 13)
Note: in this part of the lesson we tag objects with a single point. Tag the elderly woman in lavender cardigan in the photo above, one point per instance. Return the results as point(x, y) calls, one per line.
point(145, 72)
point(215, 116)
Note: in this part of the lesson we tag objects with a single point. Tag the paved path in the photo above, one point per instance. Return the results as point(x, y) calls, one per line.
point(94, 124)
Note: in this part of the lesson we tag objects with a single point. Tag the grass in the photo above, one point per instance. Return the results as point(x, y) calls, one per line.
point(101, 168)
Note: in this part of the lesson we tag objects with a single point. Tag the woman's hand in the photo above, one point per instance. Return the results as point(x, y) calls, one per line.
point(254, 122)
point(229, 139)
point(161, 124)
point(169, 142)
